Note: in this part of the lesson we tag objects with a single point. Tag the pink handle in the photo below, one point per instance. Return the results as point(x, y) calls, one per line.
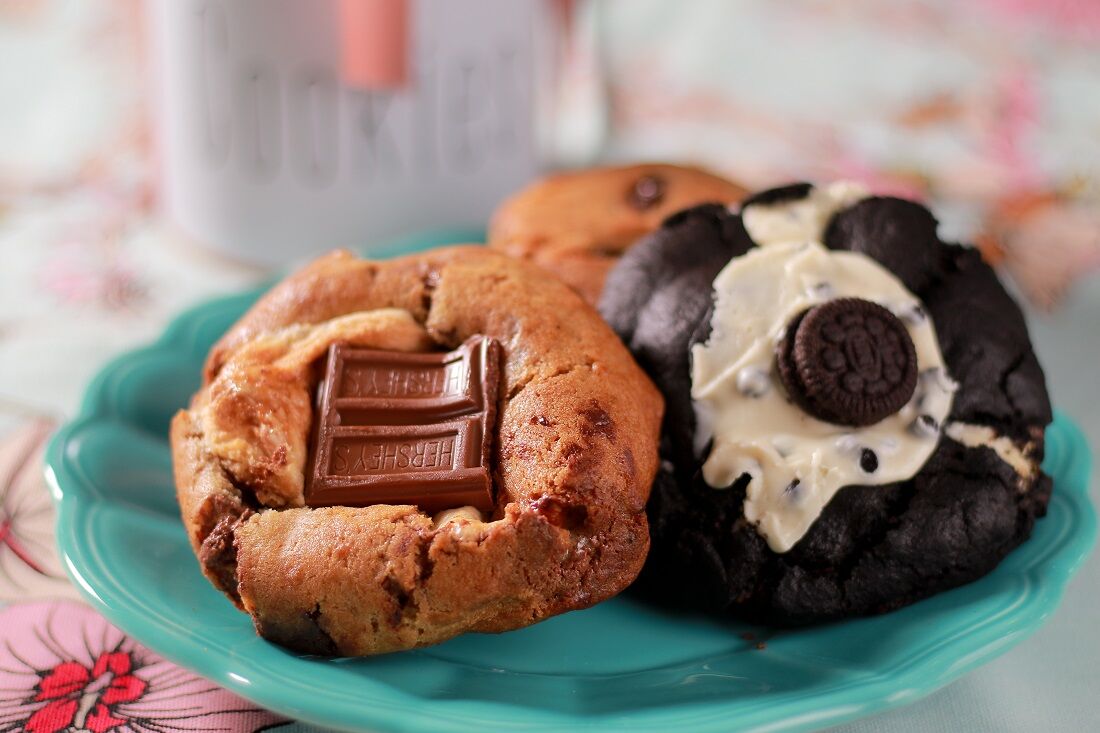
point(374, 43)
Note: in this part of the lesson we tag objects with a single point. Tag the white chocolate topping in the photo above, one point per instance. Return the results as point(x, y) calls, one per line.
point(466, 522)
point(462, 513)
point(974, 436)
point(800, 220)
point(795, 462)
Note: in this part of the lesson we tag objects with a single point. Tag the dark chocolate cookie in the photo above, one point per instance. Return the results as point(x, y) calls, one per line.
point(873, 548)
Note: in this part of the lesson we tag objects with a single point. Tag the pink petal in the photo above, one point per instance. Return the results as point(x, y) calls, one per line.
point(115, 662)
point(64, 679)
point(47, 634)
point(55, 716)
point(100, 719)
point(124, 688)
point(27, 556)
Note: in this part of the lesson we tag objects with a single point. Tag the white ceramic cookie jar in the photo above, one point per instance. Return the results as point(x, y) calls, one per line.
point(288, 128)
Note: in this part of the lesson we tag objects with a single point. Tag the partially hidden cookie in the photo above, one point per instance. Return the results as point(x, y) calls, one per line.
point(854, 412)
point(509, 438)
point(577, 224)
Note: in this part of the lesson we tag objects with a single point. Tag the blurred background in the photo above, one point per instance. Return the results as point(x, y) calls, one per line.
point(155, 153)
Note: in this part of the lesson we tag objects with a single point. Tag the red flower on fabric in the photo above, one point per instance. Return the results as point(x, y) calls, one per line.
point(83, 698)
point(28, 563)
point(64, 668)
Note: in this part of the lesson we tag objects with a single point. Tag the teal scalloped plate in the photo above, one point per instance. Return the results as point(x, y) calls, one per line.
point(618, 666)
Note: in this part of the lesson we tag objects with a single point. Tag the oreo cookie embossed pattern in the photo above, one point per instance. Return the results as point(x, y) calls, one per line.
point(848, 361)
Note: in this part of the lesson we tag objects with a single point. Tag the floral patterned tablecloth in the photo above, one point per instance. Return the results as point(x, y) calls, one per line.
point(1001, 117)
point(87, 271)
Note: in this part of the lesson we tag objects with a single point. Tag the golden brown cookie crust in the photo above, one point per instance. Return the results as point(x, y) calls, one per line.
point(575, 453)
point(578, 224)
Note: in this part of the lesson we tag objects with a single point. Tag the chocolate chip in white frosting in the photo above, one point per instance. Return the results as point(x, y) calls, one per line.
point(868, 460)
point(936, 376)
point(753, 382)
point(911, 314)
point(925, 426)
point(933, 387)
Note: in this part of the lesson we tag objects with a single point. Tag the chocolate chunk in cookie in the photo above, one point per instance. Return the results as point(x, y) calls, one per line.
point(647, 191)
point(791, 192)
point(848, 361)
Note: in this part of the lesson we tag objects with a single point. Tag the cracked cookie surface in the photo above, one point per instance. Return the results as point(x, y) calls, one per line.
point(573, 457)
point(873, 548)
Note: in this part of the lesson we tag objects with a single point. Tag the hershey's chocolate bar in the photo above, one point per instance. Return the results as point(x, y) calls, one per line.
point(371, 387)
point(398, 428)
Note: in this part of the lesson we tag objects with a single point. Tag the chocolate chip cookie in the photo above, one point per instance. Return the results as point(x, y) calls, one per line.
point(577, 224)
point(854, 412)
point(384, 455)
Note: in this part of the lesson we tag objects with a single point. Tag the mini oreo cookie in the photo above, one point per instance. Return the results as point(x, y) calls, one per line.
point(848, 361)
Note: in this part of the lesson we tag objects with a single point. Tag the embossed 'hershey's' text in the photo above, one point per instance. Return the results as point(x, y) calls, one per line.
point(358, 456)
point(401, 380)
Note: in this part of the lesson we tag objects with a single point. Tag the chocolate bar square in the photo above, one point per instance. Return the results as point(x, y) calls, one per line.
point(399, 428)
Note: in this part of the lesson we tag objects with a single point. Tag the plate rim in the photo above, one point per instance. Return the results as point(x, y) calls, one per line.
point(877, 692)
